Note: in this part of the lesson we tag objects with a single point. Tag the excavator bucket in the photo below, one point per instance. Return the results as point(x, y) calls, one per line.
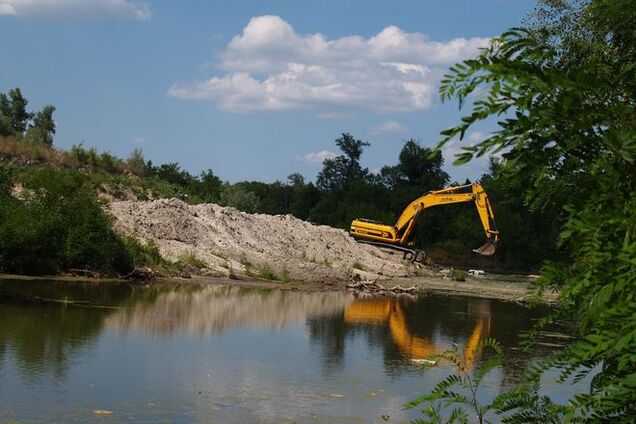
point(488, 249)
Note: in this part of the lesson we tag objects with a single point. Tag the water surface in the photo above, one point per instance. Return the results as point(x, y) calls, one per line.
point(185, 353)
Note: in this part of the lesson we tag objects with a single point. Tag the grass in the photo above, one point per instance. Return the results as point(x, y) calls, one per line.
point(267, 273)
point(284, 276)
point(190, 260)
point(459, 275)
point(20, 150)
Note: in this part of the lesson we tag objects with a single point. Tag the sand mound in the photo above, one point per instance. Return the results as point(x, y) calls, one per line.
point(230, 241)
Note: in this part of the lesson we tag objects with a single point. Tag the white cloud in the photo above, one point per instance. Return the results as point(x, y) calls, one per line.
point(318, 157)
point(388, 127)
point(271, 67)
point(476, 137)
point(76, 9)
point(139, 140)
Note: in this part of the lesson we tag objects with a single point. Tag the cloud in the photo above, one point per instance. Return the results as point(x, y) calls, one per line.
point(139, 140)
point(476, 137)
point(76, 9)
point(318, 157)
point(388, 127)
point(271, 67)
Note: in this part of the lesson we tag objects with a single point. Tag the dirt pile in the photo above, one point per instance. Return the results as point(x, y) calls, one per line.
point(231, 242)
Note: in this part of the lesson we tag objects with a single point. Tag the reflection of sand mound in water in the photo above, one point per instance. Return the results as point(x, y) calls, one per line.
point(216, 308)
point(224, 236)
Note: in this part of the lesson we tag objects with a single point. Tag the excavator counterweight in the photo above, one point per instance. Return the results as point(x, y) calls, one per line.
point(399, 236)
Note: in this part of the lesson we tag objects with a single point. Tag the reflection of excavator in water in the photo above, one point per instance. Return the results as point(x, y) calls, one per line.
point(381, 311)
point(399, 236)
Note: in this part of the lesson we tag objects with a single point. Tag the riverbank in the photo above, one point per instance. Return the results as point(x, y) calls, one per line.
point(499, 287)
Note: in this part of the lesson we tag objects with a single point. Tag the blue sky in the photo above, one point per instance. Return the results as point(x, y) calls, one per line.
point(251, 89)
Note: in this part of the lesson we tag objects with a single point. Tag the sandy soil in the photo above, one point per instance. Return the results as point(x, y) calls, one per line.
point(234, 243)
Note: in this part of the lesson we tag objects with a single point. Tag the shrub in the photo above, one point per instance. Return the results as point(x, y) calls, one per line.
point(266, 272)
point(57, 225)
point(240, 199)
point(190, 260)
point(459, 275)
point(144, 254)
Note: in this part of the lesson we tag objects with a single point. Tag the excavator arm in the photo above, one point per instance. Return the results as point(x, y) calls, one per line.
point(400, 233)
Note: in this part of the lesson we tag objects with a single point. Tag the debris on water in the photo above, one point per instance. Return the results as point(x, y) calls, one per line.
point(102, 412)
point(423, 361)
point(375, 287)
point(336, 395)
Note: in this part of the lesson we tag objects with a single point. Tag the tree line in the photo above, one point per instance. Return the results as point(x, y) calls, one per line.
point(343, 190)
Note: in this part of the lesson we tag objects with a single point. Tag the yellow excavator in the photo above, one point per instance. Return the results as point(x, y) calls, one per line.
point(399, 236)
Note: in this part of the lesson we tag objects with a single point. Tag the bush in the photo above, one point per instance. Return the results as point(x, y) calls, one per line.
point(143, 254)
point(458, 275)
point(240, 199)
point(266, 272)
point(56, 225)
point(191, 260)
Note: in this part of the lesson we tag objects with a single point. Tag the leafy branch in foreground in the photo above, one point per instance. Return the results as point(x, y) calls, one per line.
point(454, 399)
point(564, 92)
point(459, 390)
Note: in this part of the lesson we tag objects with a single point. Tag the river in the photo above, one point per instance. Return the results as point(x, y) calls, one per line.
point(215, 353)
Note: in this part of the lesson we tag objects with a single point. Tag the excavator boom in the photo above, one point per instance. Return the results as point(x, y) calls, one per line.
point(399, 235)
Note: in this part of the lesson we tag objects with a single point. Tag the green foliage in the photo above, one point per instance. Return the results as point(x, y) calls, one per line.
point(459, 275)
point(239, 198)
point(191, 260)
point(284, 275)
point(345, 168)
point(137, 163)
point(525, 405)
point(565, 88)
point(458, 392)
point(456, 397)
point(266, 272)
point(43, 127)
point(16, 121)
point(56, 225)
point(17, 112)
point(144, 254)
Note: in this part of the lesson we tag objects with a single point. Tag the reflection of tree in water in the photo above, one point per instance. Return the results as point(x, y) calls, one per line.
point(407, 329)
point(215, 308)
point(43, 335)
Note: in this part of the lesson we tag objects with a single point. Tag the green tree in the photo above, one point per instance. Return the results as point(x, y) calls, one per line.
point(344, 168)
point(419, 167)
point(172, 173)
point(210, 186)
point(56, 225)
point(239, 198)
point(568, 98)
point(6, 125)
point(43, 127)
point(18, 112)
point(137, 162)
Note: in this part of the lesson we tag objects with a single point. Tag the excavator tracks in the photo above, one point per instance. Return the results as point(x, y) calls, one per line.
point(411, 255)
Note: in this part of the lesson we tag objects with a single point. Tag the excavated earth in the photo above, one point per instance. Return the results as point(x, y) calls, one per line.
point(234, 243)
